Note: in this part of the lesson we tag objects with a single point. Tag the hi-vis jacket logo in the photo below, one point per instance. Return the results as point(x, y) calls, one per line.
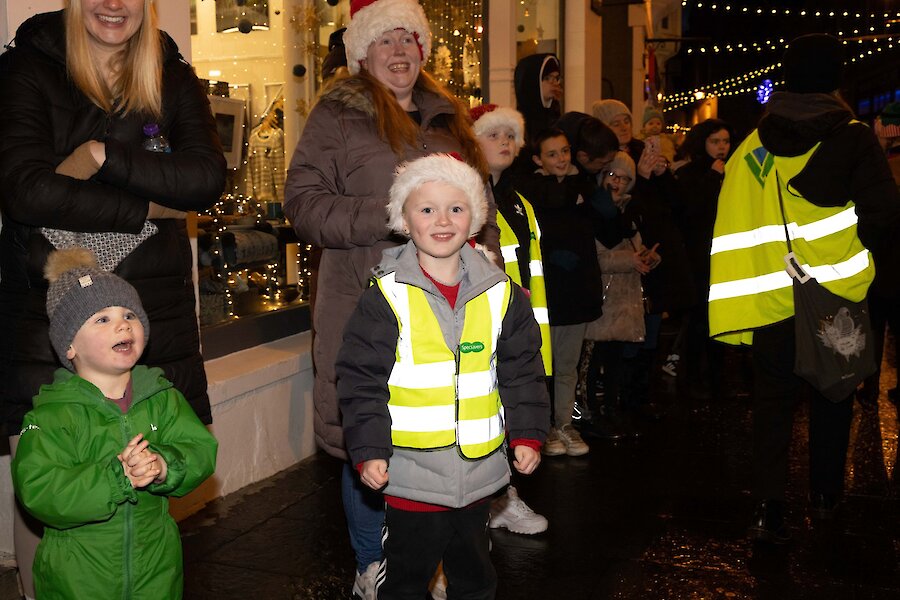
point(471, 347)
point(760, 162)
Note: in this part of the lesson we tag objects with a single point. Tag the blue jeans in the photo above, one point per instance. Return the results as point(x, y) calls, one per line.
point(364, 509)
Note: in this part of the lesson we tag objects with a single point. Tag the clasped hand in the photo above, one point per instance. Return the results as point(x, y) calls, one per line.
point(141, 466)
point(646, 259)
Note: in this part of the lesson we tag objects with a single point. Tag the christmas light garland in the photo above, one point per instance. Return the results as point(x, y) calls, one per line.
point(776, 11)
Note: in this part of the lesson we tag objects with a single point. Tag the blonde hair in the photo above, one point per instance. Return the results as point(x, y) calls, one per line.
point(398, 130)
point(137, 80)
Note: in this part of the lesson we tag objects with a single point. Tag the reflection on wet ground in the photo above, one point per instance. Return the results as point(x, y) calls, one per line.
point(662, 517)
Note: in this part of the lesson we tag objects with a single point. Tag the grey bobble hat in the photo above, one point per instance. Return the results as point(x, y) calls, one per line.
point(78, 289)
point(607, 110)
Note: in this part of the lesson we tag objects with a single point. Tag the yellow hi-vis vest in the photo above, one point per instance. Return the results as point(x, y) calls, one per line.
point(749, 286)
point(509, 243)
point(440, 397)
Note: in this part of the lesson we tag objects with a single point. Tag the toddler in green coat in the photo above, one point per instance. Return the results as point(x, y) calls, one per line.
point(105, 445)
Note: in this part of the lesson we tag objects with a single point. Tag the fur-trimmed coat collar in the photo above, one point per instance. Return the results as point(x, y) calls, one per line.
point(351, 92)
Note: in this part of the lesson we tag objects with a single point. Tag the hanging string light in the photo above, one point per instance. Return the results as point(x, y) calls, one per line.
point(457, 27)
point(858, 49)
point(728, 7)
point(720, 88)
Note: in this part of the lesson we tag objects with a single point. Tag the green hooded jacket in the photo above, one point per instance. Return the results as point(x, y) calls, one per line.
point(103, 538)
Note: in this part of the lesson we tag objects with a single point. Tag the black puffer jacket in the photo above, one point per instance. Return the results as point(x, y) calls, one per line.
point(44, 118)
point(698, 189)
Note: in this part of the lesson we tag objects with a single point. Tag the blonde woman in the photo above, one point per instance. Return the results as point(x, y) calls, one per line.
point(78, 87)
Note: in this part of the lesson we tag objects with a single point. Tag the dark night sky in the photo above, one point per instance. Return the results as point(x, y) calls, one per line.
point(868, 83)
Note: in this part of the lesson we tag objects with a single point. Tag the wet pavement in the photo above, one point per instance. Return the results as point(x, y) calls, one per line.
point(661, 517)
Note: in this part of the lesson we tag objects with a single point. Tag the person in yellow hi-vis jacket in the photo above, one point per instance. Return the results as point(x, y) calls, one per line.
point(501, 134)
point(841, 206)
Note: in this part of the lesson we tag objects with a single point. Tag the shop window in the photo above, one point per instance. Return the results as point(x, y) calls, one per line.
point(537, 29)
point(232, 16)
point(457, 27)
point(262, 61)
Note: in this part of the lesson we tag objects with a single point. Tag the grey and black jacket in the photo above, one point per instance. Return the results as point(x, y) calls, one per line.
point(366, 359)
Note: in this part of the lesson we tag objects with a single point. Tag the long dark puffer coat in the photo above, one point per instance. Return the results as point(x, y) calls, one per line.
point(44, 118)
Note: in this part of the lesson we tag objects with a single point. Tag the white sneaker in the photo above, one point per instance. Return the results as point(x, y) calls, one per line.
point(438, 587)
point(572, 441)
point(364, 584)
point(511, 512)
point(553, 446)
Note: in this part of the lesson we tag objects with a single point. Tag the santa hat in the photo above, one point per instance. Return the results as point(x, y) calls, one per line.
point(442, 168)
point(369, 19)
point(490, 117)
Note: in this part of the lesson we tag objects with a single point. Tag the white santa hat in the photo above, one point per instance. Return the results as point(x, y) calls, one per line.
point(369, 19)
point(490, 117)
point(443, 168)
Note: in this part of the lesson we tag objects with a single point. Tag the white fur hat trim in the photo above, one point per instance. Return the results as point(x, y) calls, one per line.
point(502, 117)
point(369, 22)
point(441, 168)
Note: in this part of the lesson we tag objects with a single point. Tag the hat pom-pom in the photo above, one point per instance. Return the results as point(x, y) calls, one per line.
point(63, 261)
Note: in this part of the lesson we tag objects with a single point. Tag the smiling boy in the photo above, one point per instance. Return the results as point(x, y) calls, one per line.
point(440, 359)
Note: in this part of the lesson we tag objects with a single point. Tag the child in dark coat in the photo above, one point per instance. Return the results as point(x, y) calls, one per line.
point(440, 359)
point(566, 200)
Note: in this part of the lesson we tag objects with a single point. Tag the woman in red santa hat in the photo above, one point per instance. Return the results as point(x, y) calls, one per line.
point(388, 111)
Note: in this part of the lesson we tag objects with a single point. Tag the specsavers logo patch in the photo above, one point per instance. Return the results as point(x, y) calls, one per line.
point(471, 347)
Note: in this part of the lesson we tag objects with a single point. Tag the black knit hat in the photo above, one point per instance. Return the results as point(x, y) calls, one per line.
point(78, 289)
point(813, 64)
point(337, 54)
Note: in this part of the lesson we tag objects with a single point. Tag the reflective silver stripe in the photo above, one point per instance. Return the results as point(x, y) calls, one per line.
point(537, 268)
point(775, 233)
point(541, 315)
point(472, 385)
point(496, 295)
point(780, 279)
point(400, 300)
point(423, 418)
point(509, 253)
point(842, 270)
point(479, 431)
point(405, 374)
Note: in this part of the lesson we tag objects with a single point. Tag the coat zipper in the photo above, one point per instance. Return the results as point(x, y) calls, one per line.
point(129, 526)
